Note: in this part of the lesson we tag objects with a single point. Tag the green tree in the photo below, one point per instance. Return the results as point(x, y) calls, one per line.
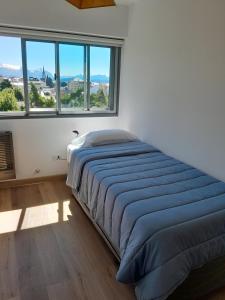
point(18, 94)
point(63, 84)
point(8, 101)
point(5, 84)
point(99, 99)
point(35, 98)
point(65, 100)
point(49, 82)
point(75, 99)
point(49, 103)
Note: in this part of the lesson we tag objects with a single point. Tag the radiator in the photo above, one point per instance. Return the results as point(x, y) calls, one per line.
point(7, 163)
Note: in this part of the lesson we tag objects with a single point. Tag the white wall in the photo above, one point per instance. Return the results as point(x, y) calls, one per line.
point(173, 79)
point(38, 141)
point(59, 14)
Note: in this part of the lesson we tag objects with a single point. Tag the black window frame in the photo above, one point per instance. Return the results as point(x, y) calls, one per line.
point(115, 62)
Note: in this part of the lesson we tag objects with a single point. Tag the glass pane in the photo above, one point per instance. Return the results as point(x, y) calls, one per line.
point(41, 73)
point(71, 61)
point(99, 78)
point(11, 75)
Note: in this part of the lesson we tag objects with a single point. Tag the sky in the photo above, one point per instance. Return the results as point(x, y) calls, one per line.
point(41, 54)
point(10, 51)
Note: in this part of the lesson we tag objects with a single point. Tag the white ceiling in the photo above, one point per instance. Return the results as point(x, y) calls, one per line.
point(125, 2)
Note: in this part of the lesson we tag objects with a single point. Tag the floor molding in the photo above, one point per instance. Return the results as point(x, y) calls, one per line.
point(28, 181)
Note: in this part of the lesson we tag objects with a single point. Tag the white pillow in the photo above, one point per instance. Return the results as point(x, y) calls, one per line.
point(104, 137)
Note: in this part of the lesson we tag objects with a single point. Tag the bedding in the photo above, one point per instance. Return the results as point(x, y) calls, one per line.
point(163, 217)
point(70, 148)
point(103, 137)
point(98, 138)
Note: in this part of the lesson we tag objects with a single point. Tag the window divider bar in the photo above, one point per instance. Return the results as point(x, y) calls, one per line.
point(117, 66)
point(85, 77)
point(111, 103)
point(25, 75)
point(88, 78)
point(57, 81)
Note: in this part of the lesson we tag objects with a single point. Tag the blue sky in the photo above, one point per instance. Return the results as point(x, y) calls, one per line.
point(10, 51)
point(43, 54)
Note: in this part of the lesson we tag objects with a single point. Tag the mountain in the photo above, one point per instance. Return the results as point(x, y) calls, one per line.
point(38, 73)
point(10, 71)
point(100, 78)
point(94, 78)
point(70, 78)
point(15, 71)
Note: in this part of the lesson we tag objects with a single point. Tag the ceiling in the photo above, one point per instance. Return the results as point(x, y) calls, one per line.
point(124, 2)
point(118, 2)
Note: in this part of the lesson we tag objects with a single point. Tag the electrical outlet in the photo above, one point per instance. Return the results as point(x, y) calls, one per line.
point(58, 157)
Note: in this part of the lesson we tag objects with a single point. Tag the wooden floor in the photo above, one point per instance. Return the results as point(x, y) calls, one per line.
point(49, 250)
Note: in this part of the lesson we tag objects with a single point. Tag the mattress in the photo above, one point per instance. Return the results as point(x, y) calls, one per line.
point(199, 283)
point(70, 149)
point(164, 218)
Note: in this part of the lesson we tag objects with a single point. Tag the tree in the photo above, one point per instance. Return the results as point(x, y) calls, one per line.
point(35, 98)
point(49, 103)
point(63, 84)
point(75, 99)
point(65, 100)
point(5, 84)
point(8, 101)
point(49, 82)
point(18, 94)
point(99, 99)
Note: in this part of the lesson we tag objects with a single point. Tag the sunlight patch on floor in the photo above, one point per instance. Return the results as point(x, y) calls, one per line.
point(9, 220)
point(40, 215)
point(36, 216)
point(66, 210)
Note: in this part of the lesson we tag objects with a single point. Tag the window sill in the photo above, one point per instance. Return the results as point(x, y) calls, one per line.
point(50, 115)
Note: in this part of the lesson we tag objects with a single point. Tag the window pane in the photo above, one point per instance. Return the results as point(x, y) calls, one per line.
point(71, 60)
point(11, 75)
point(41, 73)
point(99, 78)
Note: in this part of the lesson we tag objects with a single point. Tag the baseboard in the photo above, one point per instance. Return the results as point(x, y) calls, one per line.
point(27, 181)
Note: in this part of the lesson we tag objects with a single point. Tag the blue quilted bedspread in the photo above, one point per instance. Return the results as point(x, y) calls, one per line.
point(165, 218)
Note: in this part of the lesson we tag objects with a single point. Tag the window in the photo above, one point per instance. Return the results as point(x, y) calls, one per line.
point(99, 78)
point(72, 79)
point(41, 77)
point(11, 76)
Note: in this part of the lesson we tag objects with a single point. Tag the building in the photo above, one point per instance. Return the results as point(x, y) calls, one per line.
point(43, 75)
point(75, 84)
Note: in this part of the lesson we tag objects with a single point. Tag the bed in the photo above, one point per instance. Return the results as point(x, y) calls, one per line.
point(162, 218)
